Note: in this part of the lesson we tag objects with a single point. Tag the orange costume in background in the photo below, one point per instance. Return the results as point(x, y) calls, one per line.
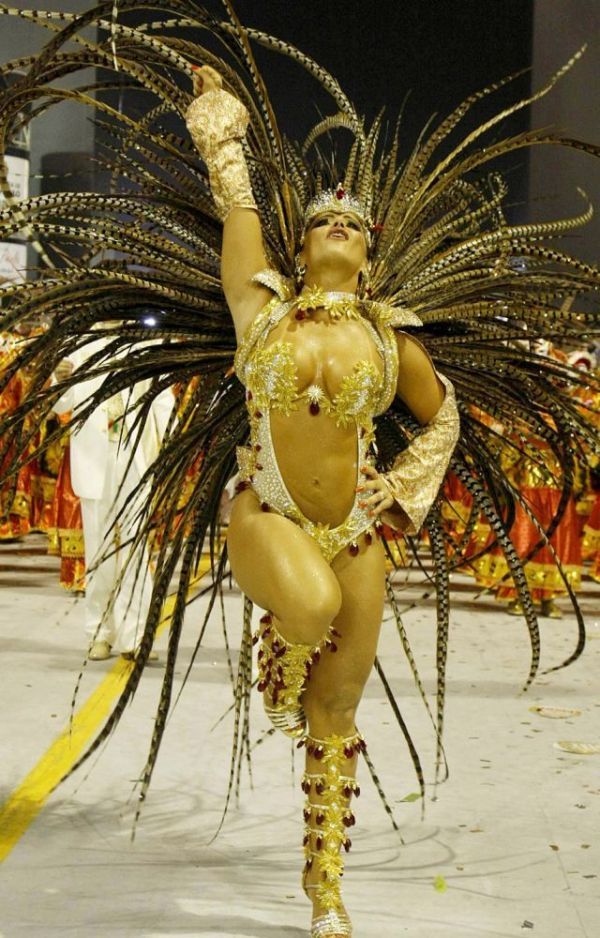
point(537, 478)
point(65, 530)
point(588, 504)
point(15, 498)
point(590, 545)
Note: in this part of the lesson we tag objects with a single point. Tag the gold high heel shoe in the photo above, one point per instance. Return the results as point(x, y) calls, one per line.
point(327, 817)
point(283, 671)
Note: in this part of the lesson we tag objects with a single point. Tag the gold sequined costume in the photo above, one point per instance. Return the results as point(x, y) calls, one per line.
point(268, 371)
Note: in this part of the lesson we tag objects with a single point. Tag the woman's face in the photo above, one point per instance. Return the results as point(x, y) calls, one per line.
point(335, 239)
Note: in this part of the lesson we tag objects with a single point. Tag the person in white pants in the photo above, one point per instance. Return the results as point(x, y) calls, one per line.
point(118, 587)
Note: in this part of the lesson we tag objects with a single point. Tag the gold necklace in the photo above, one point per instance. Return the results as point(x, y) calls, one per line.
point(339, 305)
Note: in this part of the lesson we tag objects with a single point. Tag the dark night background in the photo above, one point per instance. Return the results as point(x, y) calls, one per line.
point(437, 51)
point(429, 55)
point(433, 53)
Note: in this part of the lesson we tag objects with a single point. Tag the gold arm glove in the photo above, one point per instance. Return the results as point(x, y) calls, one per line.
point(419, 470)
point(217, 123)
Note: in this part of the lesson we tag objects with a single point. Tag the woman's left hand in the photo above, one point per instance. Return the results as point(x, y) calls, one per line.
point(378, 497)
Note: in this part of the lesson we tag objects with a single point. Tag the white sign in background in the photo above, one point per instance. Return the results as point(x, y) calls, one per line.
point(13, 261)
point(18, 177)
point(13, 257)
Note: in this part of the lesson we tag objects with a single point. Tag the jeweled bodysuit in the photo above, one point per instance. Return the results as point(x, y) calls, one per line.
point(269, 372)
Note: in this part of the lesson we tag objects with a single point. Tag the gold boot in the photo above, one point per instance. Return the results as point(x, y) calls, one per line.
point(283, 671)
point(327, 818)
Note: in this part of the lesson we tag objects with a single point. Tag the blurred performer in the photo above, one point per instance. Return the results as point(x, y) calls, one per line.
point(65, 533)
point(590, 545)
point(15, 497)
point(539, 488)
point(588, 502)
point(118, 586)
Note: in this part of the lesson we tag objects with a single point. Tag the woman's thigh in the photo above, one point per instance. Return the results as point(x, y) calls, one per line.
point(338, 680)
point(282, 570)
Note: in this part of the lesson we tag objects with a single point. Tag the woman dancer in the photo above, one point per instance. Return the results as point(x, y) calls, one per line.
point(325, 304)
point(303, 531)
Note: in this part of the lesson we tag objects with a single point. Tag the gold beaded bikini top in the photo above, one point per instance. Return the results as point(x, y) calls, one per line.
point(269, 371)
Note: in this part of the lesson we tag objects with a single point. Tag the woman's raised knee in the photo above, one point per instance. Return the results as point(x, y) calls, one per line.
point(310, 609)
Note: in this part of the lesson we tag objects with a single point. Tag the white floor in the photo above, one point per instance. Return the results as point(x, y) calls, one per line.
point(512, 843)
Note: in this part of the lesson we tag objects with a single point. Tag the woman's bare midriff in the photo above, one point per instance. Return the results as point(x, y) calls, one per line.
point(318, 463)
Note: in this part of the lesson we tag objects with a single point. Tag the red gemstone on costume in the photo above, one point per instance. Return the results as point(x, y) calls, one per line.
point(264, 506)
point(262, 686)
point(258, 447)
point(314, 408)
point(319, 788)
point(257, 414)
point(353, 550)
point(320, 817)
point(248, 395)
point(348, 751)
point(347, 844)
point(307, 815)
point(368, 539)
point(318, 753)
point(300, 315)
point(319, 843)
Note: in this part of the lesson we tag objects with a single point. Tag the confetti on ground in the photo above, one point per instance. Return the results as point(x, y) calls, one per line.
point(555, 713)
point(578, 748)
point(439, 884)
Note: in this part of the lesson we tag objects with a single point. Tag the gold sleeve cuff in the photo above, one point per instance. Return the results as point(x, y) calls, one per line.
point(217, 123)
point(419, 470)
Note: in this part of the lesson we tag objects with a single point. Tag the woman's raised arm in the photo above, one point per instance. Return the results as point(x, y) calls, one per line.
point(217, 122)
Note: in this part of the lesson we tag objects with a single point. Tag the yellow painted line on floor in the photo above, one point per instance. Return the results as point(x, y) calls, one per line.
point(26, 801)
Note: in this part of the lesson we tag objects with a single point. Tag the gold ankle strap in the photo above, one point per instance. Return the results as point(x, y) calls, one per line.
point(332, 923)
point(333, 747)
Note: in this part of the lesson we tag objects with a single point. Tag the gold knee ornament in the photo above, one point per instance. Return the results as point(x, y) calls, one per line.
point(283, 672)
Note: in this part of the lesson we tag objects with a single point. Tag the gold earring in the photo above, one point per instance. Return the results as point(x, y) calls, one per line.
point(299, 272)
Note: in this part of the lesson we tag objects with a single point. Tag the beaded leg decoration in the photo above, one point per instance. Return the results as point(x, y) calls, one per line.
point(283, 671)
point(327, 818)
